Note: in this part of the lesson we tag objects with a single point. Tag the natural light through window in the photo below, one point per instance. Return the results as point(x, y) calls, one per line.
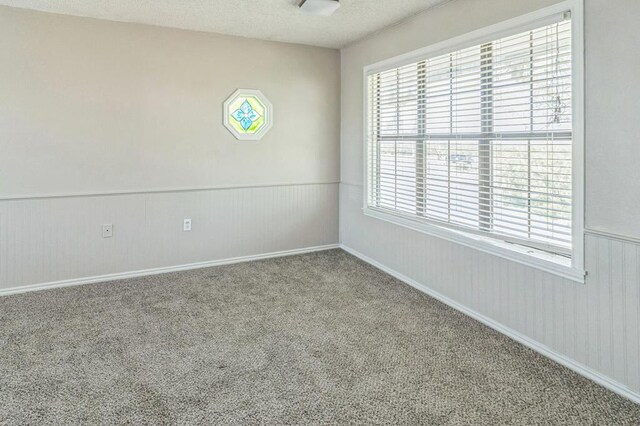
point(479, 139)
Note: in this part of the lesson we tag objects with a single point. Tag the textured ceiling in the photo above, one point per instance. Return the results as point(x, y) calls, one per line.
point(278, 20)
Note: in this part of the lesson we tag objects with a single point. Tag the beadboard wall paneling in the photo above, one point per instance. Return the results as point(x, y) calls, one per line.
point(595, 324)
point(52, 239)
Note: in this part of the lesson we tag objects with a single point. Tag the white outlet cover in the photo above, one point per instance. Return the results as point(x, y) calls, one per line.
point(107, 230)
point(186, 225)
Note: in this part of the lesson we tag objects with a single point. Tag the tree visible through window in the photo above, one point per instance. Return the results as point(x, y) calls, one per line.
point(479, 139)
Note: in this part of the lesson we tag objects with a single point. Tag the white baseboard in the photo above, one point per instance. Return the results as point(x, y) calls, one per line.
point(161, 270)
point(579, 368)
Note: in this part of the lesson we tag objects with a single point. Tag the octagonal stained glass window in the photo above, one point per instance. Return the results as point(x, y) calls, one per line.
point(248, 114)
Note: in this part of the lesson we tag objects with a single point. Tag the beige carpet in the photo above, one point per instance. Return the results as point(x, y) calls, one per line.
point(313, 339)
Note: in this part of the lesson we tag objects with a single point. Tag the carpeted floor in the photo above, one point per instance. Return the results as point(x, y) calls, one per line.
point(321, 338)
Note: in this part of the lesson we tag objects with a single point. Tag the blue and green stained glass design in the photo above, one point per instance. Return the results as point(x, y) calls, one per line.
point(246, 114)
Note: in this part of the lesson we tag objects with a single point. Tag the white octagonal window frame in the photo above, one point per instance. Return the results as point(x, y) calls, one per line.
point(248, 114)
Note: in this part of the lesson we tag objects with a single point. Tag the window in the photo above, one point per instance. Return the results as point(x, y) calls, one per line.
point(248, 114)
point(480, 140)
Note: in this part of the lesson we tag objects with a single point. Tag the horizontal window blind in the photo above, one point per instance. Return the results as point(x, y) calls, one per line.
point(479, 139)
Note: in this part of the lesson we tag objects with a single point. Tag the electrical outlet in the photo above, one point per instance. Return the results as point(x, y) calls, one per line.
point(107, 230)
point(186, 226)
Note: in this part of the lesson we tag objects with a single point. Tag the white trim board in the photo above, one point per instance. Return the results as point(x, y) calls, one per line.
point(161, 270)
point(524, 255)
point(626, 238)
point(159, 191)
point(577, 367)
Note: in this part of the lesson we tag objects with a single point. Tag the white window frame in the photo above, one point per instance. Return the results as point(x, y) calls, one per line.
point(570, 268)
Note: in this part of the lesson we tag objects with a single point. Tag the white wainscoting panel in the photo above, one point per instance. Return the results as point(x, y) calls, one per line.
point(594, 324)
point(48, 240)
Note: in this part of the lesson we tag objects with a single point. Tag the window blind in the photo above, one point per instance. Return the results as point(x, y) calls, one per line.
point(479, 139)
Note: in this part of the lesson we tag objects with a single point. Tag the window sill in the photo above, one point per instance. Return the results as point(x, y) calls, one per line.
point(548, 262)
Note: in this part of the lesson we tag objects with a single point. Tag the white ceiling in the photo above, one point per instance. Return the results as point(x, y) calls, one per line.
point(279, 20)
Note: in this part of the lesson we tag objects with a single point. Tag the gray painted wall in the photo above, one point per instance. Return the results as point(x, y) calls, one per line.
point(596, 324)
point(612, 125)
point(90, 107)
